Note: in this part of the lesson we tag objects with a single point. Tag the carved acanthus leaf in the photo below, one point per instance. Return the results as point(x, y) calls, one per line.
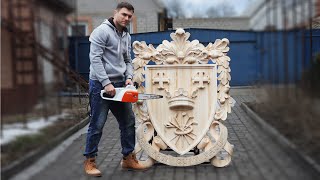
point(182, 51)
point(138, 76)
point(217, 52)
point(218, 49)
point(223, 92)
point(223, 61)
point(142, 51)
point(221, 45)
point(223, 111)
point(224, 77)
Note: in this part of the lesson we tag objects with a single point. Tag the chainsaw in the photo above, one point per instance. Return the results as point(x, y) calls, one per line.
point(128, 94)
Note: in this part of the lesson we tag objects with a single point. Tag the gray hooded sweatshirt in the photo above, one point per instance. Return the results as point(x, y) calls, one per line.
point(110, 59)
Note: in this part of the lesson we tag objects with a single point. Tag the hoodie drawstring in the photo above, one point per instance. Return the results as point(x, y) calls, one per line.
point(119, 45)
point(128, 50)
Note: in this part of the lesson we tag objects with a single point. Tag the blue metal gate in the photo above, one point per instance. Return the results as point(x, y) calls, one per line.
point(255, 56)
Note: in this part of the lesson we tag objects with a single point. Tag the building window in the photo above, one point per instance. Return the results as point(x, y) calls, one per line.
point(78, 29)
point(168, 24)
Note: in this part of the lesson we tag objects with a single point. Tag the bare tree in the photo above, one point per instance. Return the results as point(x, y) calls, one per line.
point(179, 9)
point(175, 9)
point(221, 10)
point(227, 10)
point(213, 12)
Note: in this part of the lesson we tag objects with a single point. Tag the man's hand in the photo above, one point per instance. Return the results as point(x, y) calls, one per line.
point(129, 82)
point(109, 89)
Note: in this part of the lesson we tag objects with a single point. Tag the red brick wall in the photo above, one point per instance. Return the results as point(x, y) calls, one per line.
point(6, 60)
point(21, 98)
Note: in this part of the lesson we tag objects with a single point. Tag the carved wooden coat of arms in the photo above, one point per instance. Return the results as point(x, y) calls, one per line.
point(196, 101)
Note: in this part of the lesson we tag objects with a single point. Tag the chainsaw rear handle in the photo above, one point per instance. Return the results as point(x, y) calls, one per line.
point(127, 94)
point(105, 95)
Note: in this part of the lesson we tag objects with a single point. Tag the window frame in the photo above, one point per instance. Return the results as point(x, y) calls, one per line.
point(85, 24)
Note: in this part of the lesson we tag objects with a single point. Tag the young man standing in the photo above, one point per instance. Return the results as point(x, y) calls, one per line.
point(110, 67)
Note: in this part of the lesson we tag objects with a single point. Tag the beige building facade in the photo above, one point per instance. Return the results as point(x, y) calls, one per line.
point(231, 23)
point(149, 16)
point(277, 15)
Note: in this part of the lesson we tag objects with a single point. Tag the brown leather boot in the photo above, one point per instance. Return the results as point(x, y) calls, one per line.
point(90, 167)
point(131, 162)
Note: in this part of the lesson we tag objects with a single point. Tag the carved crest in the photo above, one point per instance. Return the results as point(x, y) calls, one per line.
point(184, 116)
point(193, 102)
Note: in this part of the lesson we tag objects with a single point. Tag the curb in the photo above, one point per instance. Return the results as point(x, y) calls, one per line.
point(280, 138)
point(18, 165)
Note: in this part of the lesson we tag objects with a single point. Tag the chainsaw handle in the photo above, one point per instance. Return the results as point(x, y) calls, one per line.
point(104, 94)
point(124, 94)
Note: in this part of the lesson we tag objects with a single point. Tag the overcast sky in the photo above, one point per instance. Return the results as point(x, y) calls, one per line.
point(203, 8)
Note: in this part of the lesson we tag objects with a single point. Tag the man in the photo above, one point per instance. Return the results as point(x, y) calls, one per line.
point(110, 67)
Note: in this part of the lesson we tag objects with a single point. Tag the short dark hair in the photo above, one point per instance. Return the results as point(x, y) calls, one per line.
point(125, 5)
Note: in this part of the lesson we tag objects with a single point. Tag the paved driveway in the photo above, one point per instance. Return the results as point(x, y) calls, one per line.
point(256, 156)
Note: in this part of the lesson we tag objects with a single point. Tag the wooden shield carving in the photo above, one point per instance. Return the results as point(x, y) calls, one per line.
point(194, 81)
point(187, 110)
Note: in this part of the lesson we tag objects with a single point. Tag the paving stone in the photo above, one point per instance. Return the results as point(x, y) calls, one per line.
point(256, 156)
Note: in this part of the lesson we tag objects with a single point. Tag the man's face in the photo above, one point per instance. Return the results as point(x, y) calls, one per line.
point(123, 16)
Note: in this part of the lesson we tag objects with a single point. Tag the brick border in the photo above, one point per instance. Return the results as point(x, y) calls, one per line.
point(280, 138)
point(31, 157)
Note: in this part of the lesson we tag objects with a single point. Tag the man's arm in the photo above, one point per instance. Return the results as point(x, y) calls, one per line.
point(98, 38)
point(128, 61)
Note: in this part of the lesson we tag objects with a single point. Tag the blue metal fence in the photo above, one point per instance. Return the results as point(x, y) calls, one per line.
point(283, 56)
point(276, 57)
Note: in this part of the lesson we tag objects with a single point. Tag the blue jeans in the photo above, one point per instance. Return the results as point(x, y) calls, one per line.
point(98, 116)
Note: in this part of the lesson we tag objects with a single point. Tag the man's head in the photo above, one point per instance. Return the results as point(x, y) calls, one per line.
point(123, 14)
